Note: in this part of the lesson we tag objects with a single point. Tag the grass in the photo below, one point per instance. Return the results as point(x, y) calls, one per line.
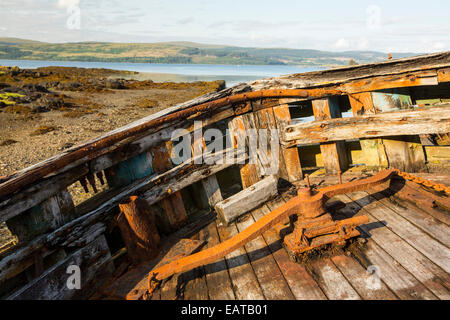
point(5, 98)
point(182, 52)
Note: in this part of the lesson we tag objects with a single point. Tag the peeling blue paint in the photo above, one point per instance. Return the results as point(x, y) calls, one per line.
point(131, 170)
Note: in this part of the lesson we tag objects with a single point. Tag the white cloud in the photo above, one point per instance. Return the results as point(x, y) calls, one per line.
point(363, 43)
point(342, 43)
point(438, 46)
point(68, 3)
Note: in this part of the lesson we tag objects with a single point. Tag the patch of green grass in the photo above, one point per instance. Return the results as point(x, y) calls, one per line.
point(4, 98)
point(10, 95)
point(7, 102)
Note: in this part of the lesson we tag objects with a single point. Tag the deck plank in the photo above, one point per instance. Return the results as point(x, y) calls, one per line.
point(432, 226)
point(266, 269)
point(396, 277)
point(299, 280)
point(194, 281)
point(169, 288)
point(217, 277)
point(433, 277)
point(331, 280)
point(369, 286)
point(245, 283)
point(429, 247)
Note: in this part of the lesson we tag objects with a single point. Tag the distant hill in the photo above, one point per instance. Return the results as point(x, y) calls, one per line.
point(182, 52)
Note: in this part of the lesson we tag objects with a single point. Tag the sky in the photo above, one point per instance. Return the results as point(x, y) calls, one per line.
point(332, 25)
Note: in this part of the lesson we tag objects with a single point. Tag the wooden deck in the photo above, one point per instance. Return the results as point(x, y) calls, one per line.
point(407, 251)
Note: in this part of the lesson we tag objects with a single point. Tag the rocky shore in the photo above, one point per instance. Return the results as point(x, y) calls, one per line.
point(46, 110)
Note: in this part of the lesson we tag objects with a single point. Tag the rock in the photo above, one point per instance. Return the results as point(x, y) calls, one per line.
point(222, 85)
point(66, 145)
point(39, 109)
point(50, 102)
point(114, 84)
point(34, 87)
point(71, 86)
point(13, 89)
point(7, 142)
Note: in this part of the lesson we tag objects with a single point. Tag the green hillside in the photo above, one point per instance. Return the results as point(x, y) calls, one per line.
point(180, 52)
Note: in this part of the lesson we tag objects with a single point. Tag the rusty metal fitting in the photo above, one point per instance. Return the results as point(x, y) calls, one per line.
point(308, 183)
point(339, 176)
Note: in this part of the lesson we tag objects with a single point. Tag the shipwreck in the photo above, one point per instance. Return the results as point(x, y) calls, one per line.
point(347, 199)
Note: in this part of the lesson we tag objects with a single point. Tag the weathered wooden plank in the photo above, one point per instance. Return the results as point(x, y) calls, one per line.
point(46, 216)
point(250, 172)
point(373, 150)
point(212, 190)
point(425, 244)
point(425, 78)
point(268, 141)
point(353, 74)
point(437, 154)
point(245, 283)
point(331, 280)
point(404, 153)
point(266, 269)
point(217, 277)
point(432, 276)
point(368, 286)
point(443, 75)
point(169, 289)
point(433, 227)
point(302, 285)
point(52, 284)
point(400, 281)
point(334, 155)
point(127, 149)
point(185, 175)
point(39, 192)
point(289, 156)
point(193, 282)
point(130, 170)
point(396, 123)
point(247, 199)
point(210, 184)
point(433, 205)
